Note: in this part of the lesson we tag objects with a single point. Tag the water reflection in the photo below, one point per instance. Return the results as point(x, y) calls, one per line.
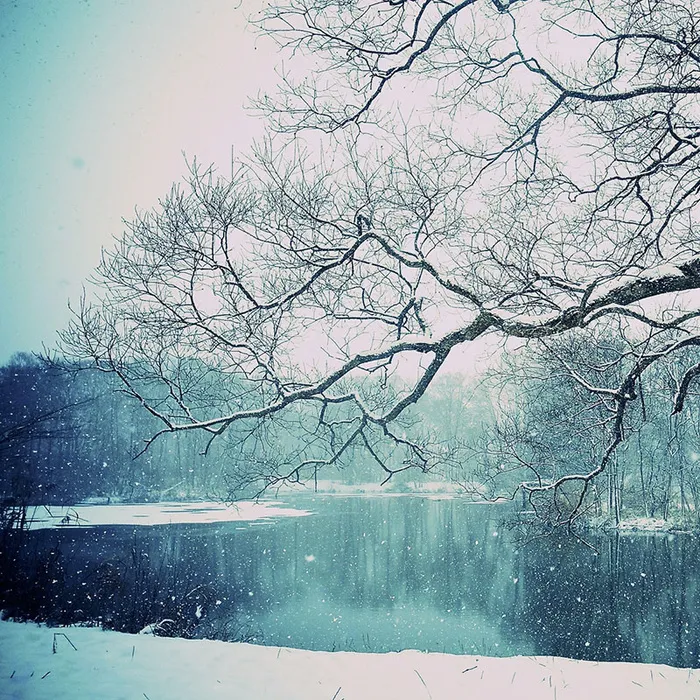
point(373, 574)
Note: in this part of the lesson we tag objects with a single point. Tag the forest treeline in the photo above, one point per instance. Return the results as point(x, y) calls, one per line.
point(563, 419)
point(66, 435)
point(71, 435)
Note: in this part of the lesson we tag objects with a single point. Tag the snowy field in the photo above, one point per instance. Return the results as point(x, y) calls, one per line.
point(40, 663)
point(87, 515)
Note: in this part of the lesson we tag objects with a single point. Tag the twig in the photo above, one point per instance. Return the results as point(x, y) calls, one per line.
point(61, 634)
point(424, 685)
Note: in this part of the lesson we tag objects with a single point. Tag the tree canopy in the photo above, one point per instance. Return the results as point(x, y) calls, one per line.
point(436, 172)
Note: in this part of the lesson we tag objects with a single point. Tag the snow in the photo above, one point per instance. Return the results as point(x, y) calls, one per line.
point(89, 663)
point(83, 515)
point(328, 487)
point(659, 271)
point(644, 524)
point(651, 274)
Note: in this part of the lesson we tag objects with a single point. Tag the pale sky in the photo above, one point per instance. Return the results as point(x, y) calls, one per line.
point(99, 100)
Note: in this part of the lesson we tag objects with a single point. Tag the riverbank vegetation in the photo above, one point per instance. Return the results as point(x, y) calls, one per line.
point(69, 436)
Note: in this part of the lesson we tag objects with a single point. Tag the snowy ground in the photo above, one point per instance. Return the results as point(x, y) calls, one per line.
point(645, 525)
point(88, 664)
point(328, 487)
point(156, 514)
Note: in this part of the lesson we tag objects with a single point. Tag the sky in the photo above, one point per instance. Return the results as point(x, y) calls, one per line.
point(100, 98)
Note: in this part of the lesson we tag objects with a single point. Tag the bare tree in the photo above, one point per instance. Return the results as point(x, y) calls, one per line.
point(445, 171)
point(559, 419)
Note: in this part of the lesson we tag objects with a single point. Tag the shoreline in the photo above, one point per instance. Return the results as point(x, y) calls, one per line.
point(97, 512)
point(83, 663)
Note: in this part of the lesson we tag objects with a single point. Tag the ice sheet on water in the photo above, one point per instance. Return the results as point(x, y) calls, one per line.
point(158, 514)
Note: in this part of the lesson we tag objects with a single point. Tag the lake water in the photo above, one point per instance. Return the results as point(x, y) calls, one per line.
point(373, 574)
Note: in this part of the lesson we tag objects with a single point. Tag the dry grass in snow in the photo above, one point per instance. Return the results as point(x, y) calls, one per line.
point(40, 663)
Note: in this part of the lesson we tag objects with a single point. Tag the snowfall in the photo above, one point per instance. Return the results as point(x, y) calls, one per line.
point(87, 663)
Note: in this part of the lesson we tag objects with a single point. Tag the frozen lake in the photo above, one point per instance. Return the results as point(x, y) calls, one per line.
point(373, 574)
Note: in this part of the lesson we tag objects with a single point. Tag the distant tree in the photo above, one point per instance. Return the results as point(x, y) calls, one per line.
point(555, 424)
point(37, 410)
point(522, 170)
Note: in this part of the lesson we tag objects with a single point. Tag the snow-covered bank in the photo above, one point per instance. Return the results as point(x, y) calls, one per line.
point(327, 487)
point(39, 663)
point(651, 525)
point(644, 526)
point(87, 515)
